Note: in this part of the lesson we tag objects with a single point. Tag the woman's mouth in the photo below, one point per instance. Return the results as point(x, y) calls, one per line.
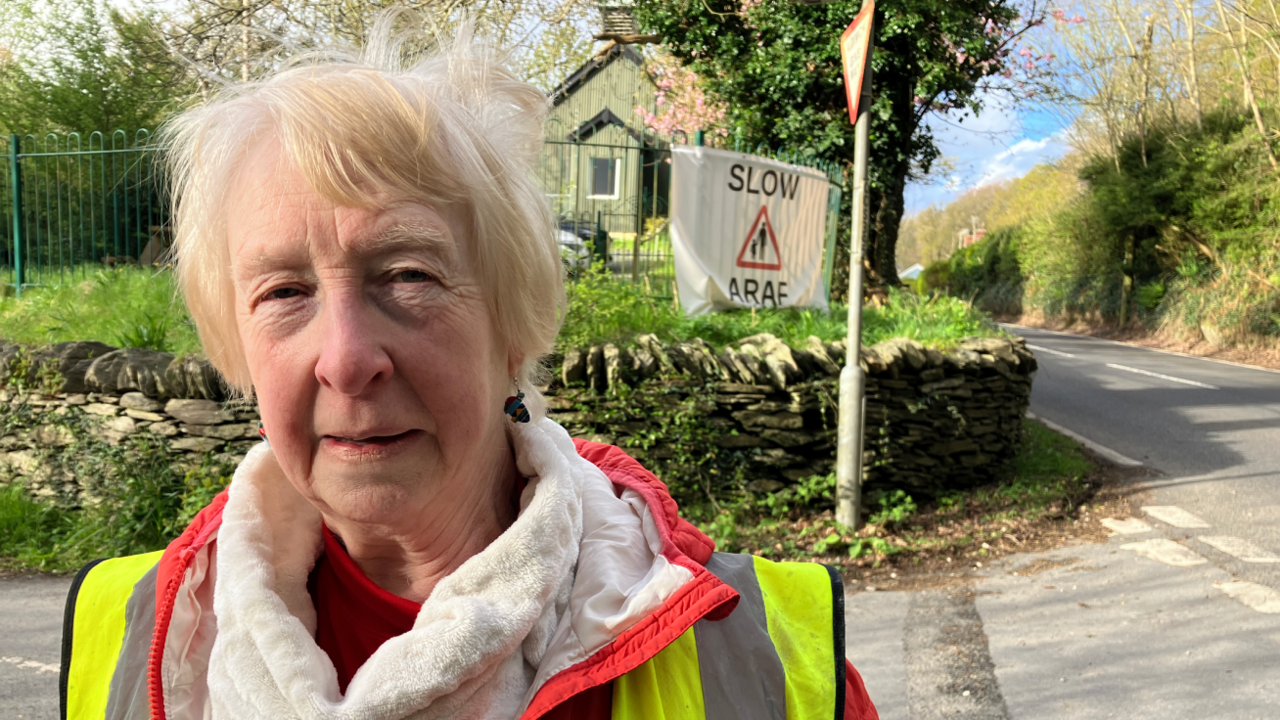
point(365, 443)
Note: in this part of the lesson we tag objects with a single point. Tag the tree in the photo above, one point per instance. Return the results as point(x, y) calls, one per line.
point(77, 66)
point(776, 65)
point(226, 40)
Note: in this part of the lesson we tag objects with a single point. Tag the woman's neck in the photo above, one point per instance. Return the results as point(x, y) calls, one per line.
point(408, 556)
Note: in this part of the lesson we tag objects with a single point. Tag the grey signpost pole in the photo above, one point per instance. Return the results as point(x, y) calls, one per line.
point(852, 380)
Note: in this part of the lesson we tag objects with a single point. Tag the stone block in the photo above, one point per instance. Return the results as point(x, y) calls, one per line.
point(730, 442)
point(71, 360)
point(102, 409)
point(778, 420)
point(138, 401)
point(555, 402)
point(574, 367)
point(166, 429)
point(130, 369)
point(616, 362)
point(820, 355)
point(144, 415)
point(75, 399)
point(643, 364)
point(596, 378)
point(904, 350)
point(194, 378)
point(222, 432)
point(53, 436)
point(24, 462)
point(195, 444)
point(763, 485)
point(123, 424)
point(948, 384)
point(787, 438)
point(198, 412)
point(653, 345)
point(953, 447)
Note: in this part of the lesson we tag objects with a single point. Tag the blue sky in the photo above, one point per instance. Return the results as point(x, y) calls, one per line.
point(1003, 142)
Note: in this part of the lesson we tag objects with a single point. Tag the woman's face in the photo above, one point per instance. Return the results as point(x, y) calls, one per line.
point(377, 368)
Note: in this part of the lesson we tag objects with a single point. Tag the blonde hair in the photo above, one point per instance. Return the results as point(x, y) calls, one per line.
point(453, 129)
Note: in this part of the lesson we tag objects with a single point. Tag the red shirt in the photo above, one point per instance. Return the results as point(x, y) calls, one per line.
point(354, 617)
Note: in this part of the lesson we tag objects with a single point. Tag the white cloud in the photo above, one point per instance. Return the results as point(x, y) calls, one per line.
point(1000, 144)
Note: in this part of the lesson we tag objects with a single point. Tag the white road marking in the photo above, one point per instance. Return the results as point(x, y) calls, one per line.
point(31, 665)
point(1162, 376)
point(1166, 551)
point(1128, 526)
point(1102, 450)
point(1259, 597)
point(1240, 548)
point(1143, 347)
point(1051, 351)
point(1174, 515)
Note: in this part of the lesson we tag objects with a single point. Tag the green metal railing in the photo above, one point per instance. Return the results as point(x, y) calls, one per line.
point(76, 201)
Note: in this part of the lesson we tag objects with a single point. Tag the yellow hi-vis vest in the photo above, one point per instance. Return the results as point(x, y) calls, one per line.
point(778, 656)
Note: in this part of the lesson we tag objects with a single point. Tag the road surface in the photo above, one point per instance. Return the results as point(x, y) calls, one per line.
point(1211, 429)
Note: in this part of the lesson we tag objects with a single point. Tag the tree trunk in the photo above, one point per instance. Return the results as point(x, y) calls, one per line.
point(886, 219)
point(1193, 63)
point(1247, 81)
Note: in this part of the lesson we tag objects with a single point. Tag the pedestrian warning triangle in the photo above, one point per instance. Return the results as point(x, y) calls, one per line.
point(760, 249)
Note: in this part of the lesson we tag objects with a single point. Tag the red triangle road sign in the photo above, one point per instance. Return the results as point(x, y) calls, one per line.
point(761, 230)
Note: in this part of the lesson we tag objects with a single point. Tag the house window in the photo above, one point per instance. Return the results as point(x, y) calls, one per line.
point(605, 173)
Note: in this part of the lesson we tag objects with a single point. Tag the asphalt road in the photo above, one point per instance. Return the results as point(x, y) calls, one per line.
point(30, 645)
point(1211, 430)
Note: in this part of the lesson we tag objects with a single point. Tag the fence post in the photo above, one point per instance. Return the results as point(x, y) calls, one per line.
point(698, 137)
point(15, 183)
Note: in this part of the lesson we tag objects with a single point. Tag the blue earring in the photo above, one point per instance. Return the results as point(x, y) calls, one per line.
point(515, 407)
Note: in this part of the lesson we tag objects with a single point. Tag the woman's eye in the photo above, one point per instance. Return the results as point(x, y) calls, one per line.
point(283, 293)
point(412, 276)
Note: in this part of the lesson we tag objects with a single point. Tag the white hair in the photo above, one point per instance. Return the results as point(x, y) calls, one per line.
point(453, 129)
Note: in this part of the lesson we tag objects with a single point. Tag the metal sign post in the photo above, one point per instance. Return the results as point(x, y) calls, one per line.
point(855, 47)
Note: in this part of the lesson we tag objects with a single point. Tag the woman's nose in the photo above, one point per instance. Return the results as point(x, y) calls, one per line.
point(353, 353)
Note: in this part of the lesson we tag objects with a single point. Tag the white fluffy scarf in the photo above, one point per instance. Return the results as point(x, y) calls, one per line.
point(477, 643)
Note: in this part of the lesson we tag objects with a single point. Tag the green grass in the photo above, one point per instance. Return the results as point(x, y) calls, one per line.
point(125, 307)
point(602, 309)
point(145, 503)
point(1045, 480)
point(138, 307)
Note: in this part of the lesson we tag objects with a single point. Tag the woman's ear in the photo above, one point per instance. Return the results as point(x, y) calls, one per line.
point(515, 361)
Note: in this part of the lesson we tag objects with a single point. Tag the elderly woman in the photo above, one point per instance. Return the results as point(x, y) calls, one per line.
point(365, 251)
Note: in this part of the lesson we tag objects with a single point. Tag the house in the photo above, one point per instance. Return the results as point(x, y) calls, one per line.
point(600, 163)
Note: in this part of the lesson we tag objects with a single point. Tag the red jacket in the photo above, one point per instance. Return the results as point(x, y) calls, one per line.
point(584, 690)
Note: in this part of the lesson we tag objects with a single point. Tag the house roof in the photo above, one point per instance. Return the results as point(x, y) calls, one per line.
point(589, 70)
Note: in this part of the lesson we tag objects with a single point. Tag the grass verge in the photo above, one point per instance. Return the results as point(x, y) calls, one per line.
point(146, 502)
point(124, 307)
point(1048, 489)
point(604, 310)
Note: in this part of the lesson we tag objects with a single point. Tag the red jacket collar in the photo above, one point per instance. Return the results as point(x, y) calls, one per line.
point(683, 544)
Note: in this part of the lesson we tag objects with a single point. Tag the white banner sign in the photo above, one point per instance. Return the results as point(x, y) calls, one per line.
point(746, 231)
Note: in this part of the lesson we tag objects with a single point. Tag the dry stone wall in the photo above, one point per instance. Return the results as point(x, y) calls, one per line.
point(758, 415)
point(934, 421)
point(64, 408)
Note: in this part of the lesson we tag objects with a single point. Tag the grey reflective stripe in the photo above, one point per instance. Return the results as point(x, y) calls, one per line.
point(742, 676)
point(127, 699)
